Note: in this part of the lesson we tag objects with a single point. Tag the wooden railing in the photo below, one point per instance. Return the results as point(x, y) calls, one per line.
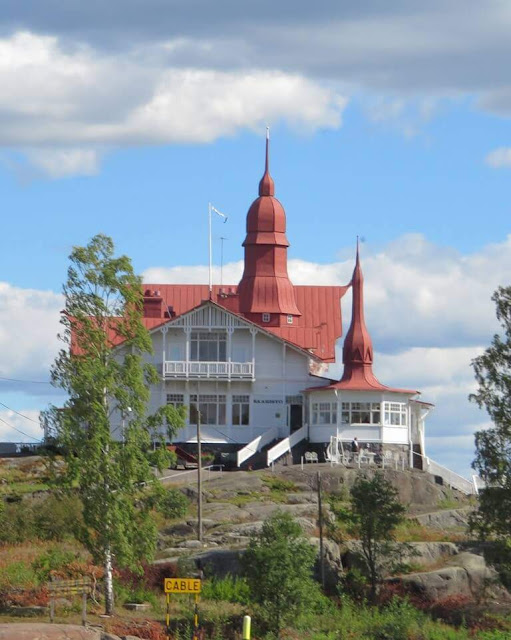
point(200, 369)
point(285, 445)
point(256, 445)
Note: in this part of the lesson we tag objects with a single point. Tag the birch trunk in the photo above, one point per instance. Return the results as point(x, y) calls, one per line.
point(109, 585)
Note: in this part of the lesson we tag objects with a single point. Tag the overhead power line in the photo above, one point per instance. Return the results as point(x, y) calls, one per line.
point(26, 381)
point(19, 414)
point(19, 431)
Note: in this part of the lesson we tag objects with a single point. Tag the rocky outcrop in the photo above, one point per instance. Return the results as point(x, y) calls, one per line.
point(332, 560)
point(41, 631)
point(218, 562)
point(446, 519)
point(466, 574)
point(422, 553)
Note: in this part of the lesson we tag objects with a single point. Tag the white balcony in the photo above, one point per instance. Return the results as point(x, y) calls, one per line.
point(224, 370)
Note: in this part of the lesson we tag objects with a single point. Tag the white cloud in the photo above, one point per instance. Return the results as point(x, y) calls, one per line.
point(499, 158)
point(59, 163)
point(29, 322)
point(61, 105)
point(16, 428)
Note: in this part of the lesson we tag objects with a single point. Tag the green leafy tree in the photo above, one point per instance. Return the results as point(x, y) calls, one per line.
point(376, 512)
point(492, 371)
point(278, 566)
point(108, 388)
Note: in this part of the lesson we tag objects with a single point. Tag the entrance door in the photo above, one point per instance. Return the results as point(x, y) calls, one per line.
point(295, 416)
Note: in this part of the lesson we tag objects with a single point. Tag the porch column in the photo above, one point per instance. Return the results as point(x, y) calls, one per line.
point(253, 332)
point(230, 331)
point(188, 332)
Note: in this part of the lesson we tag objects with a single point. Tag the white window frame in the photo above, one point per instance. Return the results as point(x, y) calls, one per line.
point(290, 319)
point(212, 407)
point(324, 413)
point(395, 414)
point(266, 317)
point(241, 402)
point(215, 338)
point(177, 400)
point(361, 413)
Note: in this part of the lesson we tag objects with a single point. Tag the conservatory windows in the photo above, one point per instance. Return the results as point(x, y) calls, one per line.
point(395, 414)
point(324, 413)
point(361, 413)
point(388, 413)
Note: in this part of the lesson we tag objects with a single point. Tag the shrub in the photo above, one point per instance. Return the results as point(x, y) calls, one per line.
point(228, 589)
point(54, 559)
point(171, 503)
point(278, 566)
point(57, 518)
point(151, 576)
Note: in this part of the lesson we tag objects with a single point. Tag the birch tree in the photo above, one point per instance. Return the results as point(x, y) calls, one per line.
point(108, 389)
point(492, 371)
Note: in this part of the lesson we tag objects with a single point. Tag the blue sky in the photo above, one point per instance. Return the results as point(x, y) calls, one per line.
point(364, 178)
point(391, 123)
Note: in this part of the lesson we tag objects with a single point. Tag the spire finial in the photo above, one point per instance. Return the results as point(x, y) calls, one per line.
point(357, 249)
point(266, 186)
point(267, 163)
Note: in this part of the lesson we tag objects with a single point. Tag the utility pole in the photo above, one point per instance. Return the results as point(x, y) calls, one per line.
point(199, 477)
point(320, 520)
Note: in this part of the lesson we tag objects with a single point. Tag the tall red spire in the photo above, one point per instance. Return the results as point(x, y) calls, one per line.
point(265, 287)
point(357, 353)
point(266, 185)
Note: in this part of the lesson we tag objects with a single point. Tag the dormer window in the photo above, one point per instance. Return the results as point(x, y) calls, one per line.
point(266, 317)
point(290, 319)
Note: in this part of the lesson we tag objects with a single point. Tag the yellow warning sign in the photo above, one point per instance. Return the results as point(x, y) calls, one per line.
point(182, 585)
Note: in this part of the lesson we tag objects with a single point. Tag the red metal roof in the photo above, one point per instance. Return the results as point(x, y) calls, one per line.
point(318, 328)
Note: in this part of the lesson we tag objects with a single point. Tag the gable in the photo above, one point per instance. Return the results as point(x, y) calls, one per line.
point(318, 330)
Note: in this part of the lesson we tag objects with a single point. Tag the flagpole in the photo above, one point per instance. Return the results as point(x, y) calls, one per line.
point(210, 254)
point(222, 260)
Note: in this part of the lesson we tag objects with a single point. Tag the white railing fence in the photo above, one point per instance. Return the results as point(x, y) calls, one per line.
point(198, 369)
point(256, 445)
point(449, 477)
point(285, 445)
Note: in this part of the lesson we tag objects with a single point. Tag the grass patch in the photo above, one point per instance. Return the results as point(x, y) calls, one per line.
point(411, 531)
point(274, 483)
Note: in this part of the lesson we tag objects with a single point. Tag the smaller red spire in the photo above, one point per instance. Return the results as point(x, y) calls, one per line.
point(266, 185)
point(357, 353)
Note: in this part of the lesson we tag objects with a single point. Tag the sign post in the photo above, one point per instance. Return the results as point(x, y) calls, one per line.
point(61, 588)
point(183, 585)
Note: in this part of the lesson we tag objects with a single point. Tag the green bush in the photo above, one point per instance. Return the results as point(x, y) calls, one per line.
point(57, 518)
point(52, 560)
point(228, 589)
point(171, 503)
point(52, 518)
point(17, 523)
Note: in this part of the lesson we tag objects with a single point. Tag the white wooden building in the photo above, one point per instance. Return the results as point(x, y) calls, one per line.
point(252, 358)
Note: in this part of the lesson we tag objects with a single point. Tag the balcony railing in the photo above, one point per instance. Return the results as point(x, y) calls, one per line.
point(192, 369)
